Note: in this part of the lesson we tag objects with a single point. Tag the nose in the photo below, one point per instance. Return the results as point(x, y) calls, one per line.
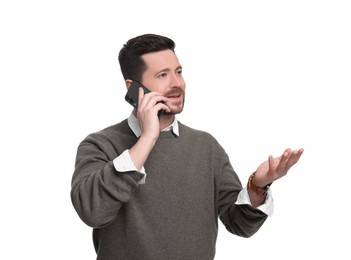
point(176, 80)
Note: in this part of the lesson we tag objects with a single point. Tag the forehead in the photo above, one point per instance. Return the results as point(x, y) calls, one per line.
point(161, 60)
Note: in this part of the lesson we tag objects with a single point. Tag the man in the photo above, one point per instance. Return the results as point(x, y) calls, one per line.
point(153, 188)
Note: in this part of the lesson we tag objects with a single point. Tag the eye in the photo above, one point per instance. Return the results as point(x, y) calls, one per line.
point(162, 75)
point(179, 72)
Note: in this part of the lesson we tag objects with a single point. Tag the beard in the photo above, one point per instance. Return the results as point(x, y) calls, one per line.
point(176, 108)
point(175, 111)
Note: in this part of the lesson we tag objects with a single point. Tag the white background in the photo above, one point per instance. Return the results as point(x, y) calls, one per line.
point(261, 76)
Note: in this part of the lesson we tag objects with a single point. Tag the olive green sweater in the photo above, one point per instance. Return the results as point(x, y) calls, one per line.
point(190, 183)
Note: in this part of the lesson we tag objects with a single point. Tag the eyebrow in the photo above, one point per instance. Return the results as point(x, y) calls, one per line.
point(168, 69)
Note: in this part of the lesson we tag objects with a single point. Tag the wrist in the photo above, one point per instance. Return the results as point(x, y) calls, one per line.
point(257, 189)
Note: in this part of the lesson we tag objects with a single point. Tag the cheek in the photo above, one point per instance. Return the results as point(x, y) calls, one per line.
point(152, 85)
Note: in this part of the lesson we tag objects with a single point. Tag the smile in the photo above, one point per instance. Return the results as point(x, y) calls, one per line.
point(175, 96)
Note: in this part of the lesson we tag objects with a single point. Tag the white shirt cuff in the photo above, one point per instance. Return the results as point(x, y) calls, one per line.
point(123, 163)
point(267, 207)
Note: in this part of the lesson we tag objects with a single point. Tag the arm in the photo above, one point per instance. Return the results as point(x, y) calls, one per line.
point(240, 219)
point(148, 107)
point(98, 189)
point(244, 219)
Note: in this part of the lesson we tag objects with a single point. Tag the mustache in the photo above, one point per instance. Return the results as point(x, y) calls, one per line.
point(173, 91)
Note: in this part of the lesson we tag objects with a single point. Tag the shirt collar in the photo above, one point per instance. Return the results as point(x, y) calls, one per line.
point(134, 126)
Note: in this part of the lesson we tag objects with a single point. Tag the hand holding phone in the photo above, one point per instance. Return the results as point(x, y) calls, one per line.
point(133, 93)
point(132, 96)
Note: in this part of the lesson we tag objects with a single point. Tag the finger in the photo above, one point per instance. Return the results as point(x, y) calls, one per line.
point(294, 158)
point(162, 106)
point(282, 160)
point(145, 100)
point(140, 97)
point(271, 164)
point(286, 154)
point(154, 102)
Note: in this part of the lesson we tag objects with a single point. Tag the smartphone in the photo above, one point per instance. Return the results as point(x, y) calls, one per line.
point(133, 93)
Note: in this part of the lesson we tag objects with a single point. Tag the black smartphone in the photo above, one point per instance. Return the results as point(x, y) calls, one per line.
point(133, 93)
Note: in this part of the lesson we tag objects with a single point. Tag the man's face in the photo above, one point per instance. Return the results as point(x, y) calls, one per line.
point(164, 75)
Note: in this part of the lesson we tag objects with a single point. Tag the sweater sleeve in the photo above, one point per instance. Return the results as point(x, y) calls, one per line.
point(243, 220)
point(98, 190)
point(267, 207)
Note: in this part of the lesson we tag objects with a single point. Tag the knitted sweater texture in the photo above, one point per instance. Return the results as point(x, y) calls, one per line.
point(190, 183)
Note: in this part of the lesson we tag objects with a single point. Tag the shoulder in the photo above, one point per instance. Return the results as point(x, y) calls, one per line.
point(196, 134)
point(113, 132)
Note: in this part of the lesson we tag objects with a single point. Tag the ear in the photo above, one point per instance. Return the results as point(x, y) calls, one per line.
point(128, 82)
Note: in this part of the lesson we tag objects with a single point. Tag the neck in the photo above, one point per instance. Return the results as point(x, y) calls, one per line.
point(166, 120)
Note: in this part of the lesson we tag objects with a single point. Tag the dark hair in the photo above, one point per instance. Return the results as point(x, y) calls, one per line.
point(130, 61)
